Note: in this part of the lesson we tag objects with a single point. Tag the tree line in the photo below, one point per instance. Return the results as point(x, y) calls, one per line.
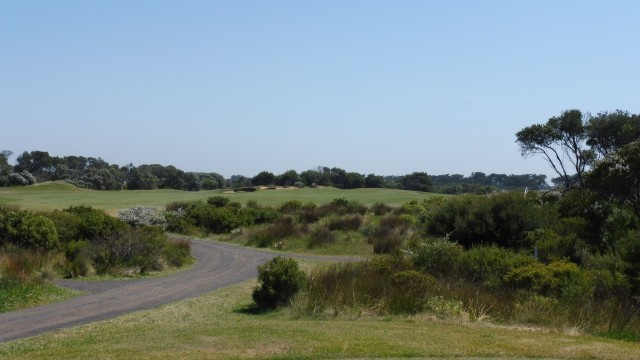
point(95, 173)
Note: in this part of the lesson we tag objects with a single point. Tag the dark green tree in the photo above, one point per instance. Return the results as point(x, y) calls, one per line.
point(562, 143)
point(288, 178)
point(373, 181)
point(417, 181)
point(617, 176)
point(264, 178)
point(609, 132)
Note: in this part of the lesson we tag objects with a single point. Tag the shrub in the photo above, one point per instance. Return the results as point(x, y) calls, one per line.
point(346, 223)
point(410, 291)
point(93, 223)
point(380, 209)
point(177, 252)
point(27, 230)
point(140, 249)
point(503, 219)
point(142, 216)
point(560, 279)
point(278, 281)
point(290, 207)
point(218, 201)
point(270, 234)
point(436, 256)
point(342, 206)
point(488, 265)
point(389, 235)
point(321, 236)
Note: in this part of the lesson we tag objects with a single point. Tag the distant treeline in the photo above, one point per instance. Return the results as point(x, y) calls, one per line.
point(95, 173)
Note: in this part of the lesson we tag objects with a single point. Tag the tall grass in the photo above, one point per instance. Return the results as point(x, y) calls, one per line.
point(23, 278)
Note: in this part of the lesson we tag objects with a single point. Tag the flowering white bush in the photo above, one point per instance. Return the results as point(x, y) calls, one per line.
point(140, 215)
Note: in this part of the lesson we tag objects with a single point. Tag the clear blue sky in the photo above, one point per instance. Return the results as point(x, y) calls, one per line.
point(237, 87)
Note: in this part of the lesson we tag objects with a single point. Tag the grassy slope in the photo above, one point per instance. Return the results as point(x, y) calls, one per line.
point(215, 326)
point(49, 196)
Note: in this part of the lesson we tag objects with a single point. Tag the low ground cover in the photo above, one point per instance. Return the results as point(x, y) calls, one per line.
point(218, 326)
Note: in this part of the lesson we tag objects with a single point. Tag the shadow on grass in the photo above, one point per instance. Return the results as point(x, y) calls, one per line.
point(252, 309)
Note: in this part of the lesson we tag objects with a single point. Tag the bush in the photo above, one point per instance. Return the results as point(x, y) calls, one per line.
point(142, 216)
point(270, 234)
point(410, 291)
point(218, 201)
point(321, 236)
point(346, 223)
point(140, 249)
point(560, 279)
point(388, 237)
point(502, 219)
point(436, 256)
point(488, 265)
point(27, 230)
point(177, 252)
point(380, 209)
point(278, 281)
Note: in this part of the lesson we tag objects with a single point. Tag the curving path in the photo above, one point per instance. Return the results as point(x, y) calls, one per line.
point(217, 265)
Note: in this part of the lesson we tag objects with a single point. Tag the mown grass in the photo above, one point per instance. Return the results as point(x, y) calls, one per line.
point(51, 196)
point(218, 326)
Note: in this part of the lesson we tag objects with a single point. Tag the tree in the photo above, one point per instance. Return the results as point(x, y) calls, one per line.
point(288, 178)
point(608, 132)
point(417, 181)
point(561, 141)
point(354, 181)
point(5, 168)
point(264, 178)
point(617, 176)
point(373, 181)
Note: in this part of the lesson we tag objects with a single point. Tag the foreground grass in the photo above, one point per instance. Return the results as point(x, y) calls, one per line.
point(24, 295)
point(218, 326)
point(51, 196)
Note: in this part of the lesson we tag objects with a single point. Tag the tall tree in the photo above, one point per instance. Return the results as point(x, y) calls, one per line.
point(608, 132)
point(562, 143)
point(417, 181)
point(263, 178)
point(618, 176)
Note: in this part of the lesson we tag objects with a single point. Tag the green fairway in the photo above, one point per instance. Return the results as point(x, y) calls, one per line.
point(50, 196)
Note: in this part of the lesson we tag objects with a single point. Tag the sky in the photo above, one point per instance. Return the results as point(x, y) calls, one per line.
point(240, 87)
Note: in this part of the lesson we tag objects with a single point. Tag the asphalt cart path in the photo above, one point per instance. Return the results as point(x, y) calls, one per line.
point(217, 265)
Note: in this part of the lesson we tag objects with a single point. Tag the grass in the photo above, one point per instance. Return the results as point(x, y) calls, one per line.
point(24, 295)
point(56, 195)
point(219, 326)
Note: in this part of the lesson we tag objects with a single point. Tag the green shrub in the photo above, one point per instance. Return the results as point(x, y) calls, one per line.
point(278, 281)
point(410, 291)
point(320, 236)
point(290, 207)
point(560, 279)
point(436, 256)
point(93, 223)
point(390, 234)
point(488, 265)
point(503, 219)
point(380, 209)
point(218, 201)
point(346, 223)
point(342, 206)
point(140, 249)
point(177, 252)
point(273, 233)
point(27, 230)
